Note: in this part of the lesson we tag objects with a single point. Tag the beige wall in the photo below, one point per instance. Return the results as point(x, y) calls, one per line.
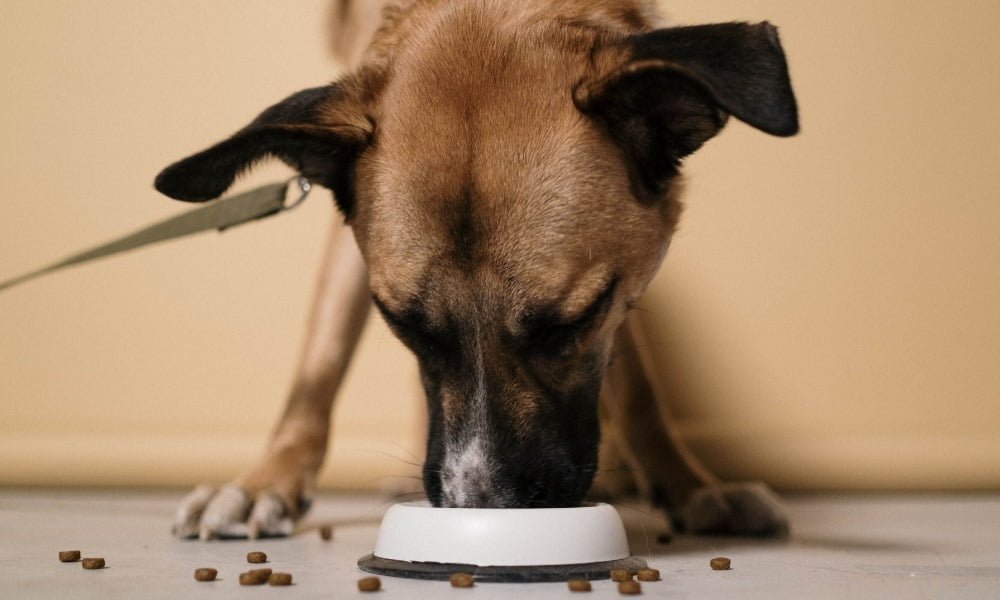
point(827, 315)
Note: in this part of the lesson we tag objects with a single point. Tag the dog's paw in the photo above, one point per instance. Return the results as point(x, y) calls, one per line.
point(230, 512)
point(750, 509)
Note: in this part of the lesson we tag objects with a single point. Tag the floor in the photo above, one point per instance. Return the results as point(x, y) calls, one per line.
point(843, 547)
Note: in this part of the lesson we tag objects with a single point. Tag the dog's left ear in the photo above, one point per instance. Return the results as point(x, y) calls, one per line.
point(677, 87)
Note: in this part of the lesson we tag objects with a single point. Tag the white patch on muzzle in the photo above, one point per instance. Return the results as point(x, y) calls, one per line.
point(466, 480)
point(467, 471)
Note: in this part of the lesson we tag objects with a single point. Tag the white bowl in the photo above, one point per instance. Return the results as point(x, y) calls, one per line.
point(418, 532)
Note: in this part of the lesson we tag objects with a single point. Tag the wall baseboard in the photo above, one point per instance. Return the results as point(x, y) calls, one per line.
point(787, 460)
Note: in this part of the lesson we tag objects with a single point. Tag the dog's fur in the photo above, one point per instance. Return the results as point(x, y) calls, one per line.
point(509, 170)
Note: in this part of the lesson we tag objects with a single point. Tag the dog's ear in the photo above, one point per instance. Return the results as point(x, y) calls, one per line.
point(676, 88)
point(318, 131)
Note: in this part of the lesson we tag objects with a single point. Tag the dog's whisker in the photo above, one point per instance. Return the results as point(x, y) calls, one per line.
point(407, 451)
point(387, 455)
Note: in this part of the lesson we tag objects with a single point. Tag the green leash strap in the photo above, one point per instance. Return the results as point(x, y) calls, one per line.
point(247, 207)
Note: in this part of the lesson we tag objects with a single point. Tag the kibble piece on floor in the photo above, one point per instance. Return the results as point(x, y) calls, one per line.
point(720, 563)
point(205, 574)
point(629, 588)
point(578, 585)
point(369, 584)
point(256, 557)
point(253, 578)
point(265, 573)
point(280, 579)
point(462, 580)
point(69, 556)
point(326, 533)
point(621, 575)
point(93, 563)
point(648, 575)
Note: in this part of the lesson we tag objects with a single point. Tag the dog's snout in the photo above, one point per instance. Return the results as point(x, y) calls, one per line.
point(473, 475)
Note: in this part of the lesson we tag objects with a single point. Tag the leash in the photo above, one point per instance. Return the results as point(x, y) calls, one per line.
point(253, 205)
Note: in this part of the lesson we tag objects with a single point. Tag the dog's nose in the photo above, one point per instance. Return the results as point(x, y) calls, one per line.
point(466, 496)
point(479, 499)
point(467, 479)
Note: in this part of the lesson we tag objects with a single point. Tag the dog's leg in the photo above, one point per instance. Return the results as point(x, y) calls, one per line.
point(664, 467)
point(613, 479)
point(266, 499)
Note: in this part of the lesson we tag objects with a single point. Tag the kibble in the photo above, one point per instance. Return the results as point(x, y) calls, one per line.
point(720, 563)
point(205, 574)
point(369, 584)
point(326, 533)
point(93, 563)
point(578, 585)
point(621, 575)
point(265, 573)
point(462, 580)
point(69, 556)
point(629, 588)
point(648, 575)
point(256, 577)
point(256, 557)
point(280, 579)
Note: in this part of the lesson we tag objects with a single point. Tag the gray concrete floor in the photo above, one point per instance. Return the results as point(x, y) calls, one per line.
point(842, 547)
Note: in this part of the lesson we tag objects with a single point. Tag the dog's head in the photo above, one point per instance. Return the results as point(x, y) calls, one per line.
point(513, 192)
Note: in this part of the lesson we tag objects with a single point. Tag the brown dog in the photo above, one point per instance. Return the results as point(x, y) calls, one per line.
point(509, 170)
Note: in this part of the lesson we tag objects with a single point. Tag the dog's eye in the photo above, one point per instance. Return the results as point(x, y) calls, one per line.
point(546, 333)
point(412, 329)
point(553, 339)
point(400, 321)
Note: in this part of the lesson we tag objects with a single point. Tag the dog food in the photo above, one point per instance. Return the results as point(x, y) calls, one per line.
point(720, 563)
point(621, 575)
point(578, 585)
point(629, 588)
point(256, 557)
point(69, 556)
point(265, 573)
point(369, 584)
point(255, 577)
point(648, 575)
point(326, 533)
point(462, 580)
point(205, 574)
point(93, 563)
point(280, 579)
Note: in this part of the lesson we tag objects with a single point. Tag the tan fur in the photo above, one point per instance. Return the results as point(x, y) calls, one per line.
point(518, 125)
point(525, 122)
point(503, 123)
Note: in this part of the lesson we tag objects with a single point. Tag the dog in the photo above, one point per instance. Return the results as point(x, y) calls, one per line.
point(509, 173)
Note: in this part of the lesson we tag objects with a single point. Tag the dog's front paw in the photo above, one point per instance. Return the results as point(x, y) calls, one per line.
point(230, 511)
point(750, 509)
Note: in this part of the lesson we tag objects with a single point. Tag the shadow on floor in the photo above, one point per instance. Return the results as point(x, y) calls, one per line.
point(649, 534)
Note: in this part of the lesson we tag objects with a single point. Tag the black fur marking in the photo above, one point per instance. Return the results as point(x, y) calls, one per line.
point(742, 66)
point(545, 332)
point(291, 131)
point(466, 231)
point(678, 88)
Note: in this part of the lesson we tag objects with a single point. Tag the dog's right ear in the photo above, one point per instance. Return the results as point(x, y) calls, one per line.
point(318, 131)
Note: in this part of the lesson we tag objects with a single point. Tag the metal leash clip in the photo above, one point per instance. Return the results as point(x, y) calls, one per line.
point(305, 186)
